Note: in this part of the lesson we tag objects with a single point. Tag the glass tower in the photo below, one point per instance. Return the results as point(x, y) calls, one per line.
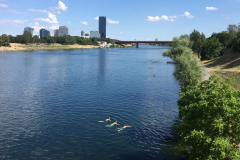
point(102, 26)
point(29, 29)
point(44, 33)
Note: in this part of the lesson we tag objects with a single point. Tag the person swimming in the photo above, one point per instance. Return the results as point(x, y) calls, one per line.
point(108, 119)
point(125, 126)
point(114, 123)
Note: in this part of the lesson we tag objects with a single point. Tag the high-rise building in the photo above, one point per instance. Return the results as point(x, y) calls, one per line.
point(55, 33)
point(63, 30)
point(44, 33)
point(95, 34)
point(29, 29)
point(102, 26)
point(82, 34)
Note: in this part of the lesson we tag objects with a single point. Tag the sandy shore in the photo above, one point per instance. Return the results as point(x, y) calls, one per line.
point(15, 47)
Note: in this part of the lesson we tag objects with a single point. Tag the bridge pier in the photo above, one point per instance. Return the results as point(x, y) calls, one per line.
point(136, 45)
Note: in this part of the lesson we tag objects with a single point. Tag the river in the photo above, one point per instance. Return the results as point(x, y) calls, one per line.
point(51, 102)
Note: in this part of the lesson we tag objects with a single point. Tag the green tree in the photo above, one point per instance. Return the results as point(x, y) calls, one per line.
point(232, 31)
point(211, 49)
point(210, 120)
point(27, 36)
point(35, 39)
point(198, 41)
point(11, 39)
point(236, 43)
point(50, 40)
point(181, 52)
point(223, 38)
point(19, 39)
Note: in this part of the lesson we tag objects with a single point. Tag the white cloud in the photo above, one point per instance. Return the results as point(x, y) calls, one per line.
point(172, 20)
point(188, 15)
point(52, 19)
point(211, 8)
point(68, 22)
point(96, 18)
point(227, 18)
point(36, 23)
point(121, 32)
point(84, 23)
point(111, 21)
point(157, 18)
point(3, 5)
point(3, 21)
point(61, 7)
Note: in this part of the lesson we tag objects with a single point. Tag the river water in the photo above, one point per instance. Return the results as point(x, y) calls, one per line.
point(51, 102)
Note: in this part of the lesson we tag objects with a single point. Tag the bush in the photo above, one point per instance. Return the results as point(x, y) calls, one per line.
point(210, 120)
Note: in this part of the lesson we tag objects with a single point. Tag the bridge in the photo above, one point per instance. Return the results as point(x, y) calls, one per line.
point(137, 42)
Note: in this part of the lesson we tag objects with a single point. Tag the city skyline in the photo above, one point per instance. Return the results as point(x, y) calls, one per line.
point(140, 20)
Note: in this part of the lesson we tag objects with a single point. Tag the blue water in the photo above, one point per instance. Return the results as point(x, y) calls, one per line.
point(51, 102)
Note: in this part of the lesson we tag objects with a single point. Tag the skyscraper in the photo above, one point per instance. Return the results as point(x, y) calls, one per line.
point(29, 29)
point(63, 30)
point(44, 33)
point(102, 26)
point(55, 33)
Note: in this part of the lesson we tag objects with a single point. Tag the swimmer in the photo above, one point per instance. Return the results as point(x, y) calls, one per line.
point(114, 123)
point(108, 119)
point(125, 126)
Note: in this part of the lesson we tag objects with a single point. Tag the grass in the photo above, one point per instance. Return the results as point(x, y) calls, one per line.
point(229, 60)
point(233, 76)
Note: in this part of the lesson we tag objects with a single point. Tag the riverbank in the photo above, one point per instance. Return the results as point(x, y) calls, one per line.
point(226, 66)
point(15, 47)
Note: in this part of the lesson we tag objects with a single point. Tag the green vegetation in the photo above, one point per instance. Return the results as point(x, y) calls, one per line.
point(236, 43)
point(181, 52)
point(211, 49)
point(27, 38)
point(210, 120)
point(198, 41)
point(234, 76)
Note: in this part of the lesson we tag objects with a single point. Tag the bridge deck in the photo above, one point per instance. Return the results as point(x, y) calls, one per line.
point(118, 42)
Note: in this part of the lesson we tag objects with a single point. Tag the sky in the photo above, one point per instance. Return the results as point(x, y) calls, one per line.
point(126, 19)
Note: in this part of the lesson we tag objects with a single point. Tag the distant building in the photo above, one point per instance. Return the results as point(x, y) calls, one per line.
point(55, 33)
point(156, 39)
point(44, 33)
point(63, 30)
point(29, 29)
point(102, 26)
point(82, 34)
point(95, 34)
point(87, 34)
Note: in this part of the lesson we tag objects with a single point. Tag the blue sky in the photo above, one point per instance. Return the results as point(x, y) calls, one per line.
point(127, 19)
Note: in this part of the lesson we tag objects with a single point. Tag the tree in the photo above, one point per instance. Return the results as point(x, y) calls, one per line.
point(210, 120)
point(198, 41)
point(5, 40)
point(232, 31)
point(27, 36)
point(236, 43)
point(181, 52)
point(50, 40)
point(35, 39)
point(223, 37)
point(11, 39)
point(211, 49)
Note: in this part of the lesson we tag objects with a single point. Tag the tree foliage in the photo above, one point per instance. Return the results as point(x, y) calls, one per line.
point(232, 31)
point(210, 120)
point(211, 49)
point(223, 37)
point(27, 37)
point(198, 41)
point(181, 52)
point(236, 43)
